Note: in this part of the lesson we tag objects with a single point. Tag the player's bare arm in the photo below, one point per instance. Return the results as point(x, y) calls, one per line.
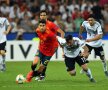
point(62, 52)
point(85, 53)
point(61, 32)
point(81, 29)
point(97, 37)
point(80, 32)
point(8, 30)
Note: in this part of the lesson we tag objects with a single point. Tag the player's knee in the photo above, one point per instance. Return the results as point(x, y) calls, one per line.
point(2, 52)
point(87, 56)
point(41, 68)
point(84, 66)
point(72, 73)
point(102, 57)
point(36, 59)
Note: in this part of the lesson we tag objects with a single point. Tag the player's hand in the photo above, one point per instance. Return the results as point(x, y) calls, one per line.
point(5, 32)
point(80, 36)
point(63, 55)
point(85, 54)
point(88, 40)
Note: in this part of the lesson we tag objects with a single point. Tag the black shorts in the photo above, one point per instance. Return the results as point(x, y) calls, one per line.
point(98, 50)
point(43, 58)
point(70, 62)
point(3, 46)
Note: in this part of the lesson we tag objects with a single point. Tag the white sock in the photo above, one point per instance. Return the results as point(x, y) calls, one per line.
point(4, 57)
point(104, 65)
point(88, 73)
point(1, 62)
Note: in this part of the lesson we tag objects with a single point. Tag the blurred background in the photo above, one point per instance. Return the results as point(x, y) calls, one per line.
point(67, 14)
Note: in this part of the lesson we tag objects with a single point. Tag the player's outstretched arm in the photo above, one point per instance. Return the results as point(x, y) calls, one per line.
point(85, 53)
point(80, 32)
point(8, 30)
point(97, 37)
point(61, 32)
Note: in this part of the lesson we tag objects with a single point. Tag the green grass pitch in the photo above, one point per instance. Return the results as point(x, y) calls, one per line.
point(57, 77)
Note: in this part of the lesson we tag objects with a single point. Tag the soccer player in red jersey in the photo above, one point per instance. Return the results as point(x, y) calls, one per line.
point(46, 49)
point(52, 27)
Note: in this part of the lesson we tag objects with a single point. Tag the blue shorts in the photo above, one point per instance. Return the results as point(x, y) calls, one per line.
point(43, 58)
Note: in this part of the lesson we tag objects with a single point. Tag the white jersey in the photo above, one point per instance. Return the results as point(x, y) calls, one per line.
point(71, 51)
point(3, 26)
point(92, 31)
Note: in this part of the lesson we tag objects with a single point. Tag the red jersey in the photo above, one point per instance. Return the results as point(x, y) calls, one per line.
point(52, 27)
point(47, 42)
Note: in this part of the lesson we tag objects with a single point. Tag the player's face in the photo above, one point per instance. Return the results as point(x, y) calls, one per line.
point(42, 27)
point(43, 15)
point(70, 42)
point(91, 21)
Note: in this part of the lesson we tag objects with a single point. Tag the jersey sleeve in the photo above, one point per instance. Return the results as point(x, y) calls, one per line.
point(53, 26)
point(83, 24)
point(80, 42)
point(99, 30)
point(7, 22)
point(61, 41)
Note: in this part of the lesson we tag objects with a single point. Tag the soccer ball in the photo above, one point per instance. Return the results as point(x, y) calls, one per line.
point(20, 79)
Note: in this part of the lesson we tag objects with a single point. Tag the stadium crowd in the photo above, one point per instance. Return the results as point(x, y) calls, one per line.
point(67, 14)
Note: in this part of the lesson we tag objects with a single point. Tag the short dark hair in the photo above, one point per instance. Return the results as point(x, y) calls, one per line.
point(42, 21)
point(91, 16)
point(43, 11)
point(69, 37)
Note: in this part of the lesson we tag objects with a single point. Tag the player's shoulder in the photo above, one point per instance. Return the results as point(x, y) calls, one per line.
point(85, 22)
point(3, 19)
point(49, 22)
point(97, 23)
point(76, 38)
point(79, 41)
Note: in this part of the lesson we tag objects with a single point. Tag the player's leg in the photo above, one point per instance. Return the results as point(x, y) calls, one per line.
point(89, 50)
point(44, 62)
point(1, 63)
point(36, 59)
point(43, 72)
point(30, 75)
point(100, 52)
point(104, 62)
point(39, 70)
point(88, 72)
point(42, 75)
point(2, 56)
point(37, 77)
point(2, 60)
point(38, 73)
point(86, 61)
point(82, 62)
point(70, 65)
point(34, 63)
